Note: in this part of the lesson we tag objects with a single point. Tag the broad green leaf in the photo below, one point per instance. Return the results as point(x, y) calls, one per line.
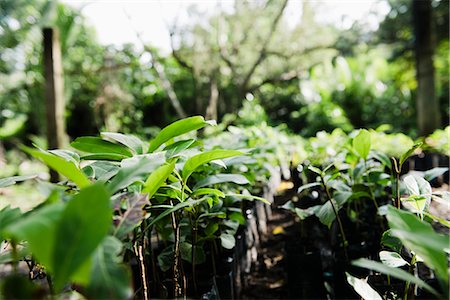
point(60, 165)
point(305, 213)
point(104, 170)
point(38, 229)
point(170, 209)
point(420, 238)
point(362, 143)
point(315, 170)
point(326, 213)
point(130, 141)
point(388, 240)
point(92, 144)
point(4, 182)
point(67, 155)
point(222, 178)
point(135, 169)
point(157, 178)
point(176, 148)
point(392, 259)
point(211, 228)
point(440, 220)
point(8, 216)
point(394, 272)
point(110, 279)
point(208, 191)
point(200, 159)
point(363, 288)
point(104, 156)
point(405, 155)
point(186, 253)
point(308, 186)
point(165, 259)
point(227, 241)
point(248, 197)
point(176, 129)
point(134, 214)
point(433, 173)
point(83, 225)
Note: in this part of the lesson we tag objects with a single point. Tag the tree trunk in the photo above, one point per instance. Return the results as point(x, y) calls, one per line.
point(427, 105)
point(211, 110)
point(54, 92)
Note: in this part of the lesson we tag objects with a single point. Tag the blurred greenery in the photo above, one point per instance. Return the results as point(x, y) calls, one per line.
point(245, 65)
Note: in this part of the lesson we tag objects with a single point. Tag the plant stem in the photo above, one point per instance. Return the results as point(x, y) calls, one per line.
point(411, 271)
point(138, 250)
point(341, 228)
point(178, 290)
point(194, 242)
point(397, 180)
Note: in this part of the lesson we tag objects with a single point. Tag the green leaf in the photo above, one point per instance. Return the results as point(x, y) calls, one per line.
point(38, 229)
point(326, 213)
point(130, 141)
point(178, 147)
point(92, 144)
point(308, 186)
point(172, 209)
point(8, 216)
point(104, 156)
point(211, 228)
point(248, 197)
point(390, 241)
point(433, 173)
point(109, 278)
point(186, 253)
point(392, 259)
point(104, 170)
point(420, 238)
point(394, 272)
point(165, 259)
point(363, 288)
point(227, 240)
point(60, 165)
point(83, 225)
point(405, 155)
point(200, 159)
point(176, 129)
point(362, 143)
point(67, 155)
point(135, 169)
point(4, 182)
point(207, 191)
point(134, 214)
point(222, 178)
point(157, 178)
point(315, 170)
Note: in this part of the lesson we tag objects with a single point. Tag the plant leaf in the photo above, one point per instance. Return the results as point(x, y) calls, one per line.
point(222, 178)
point(307, 186)
point(394, 272)
point(207, 191)
point(157, 178)
point(200, 159)
point(405, 155)
point(172, 209)
point(60, 165)
point(176, 129)
point(392, 259)
point(363, 288)
point(249, 197)
point(130, 141)
point(178, 147)
point(227, 240)
point(109, 278)
point(8, 216)
point(104, 156)
point(362, 143)
point(420, 237)
point(38, 229)
point(93, 144)
point(433, 173)
point(133, 215)
point(133, 170)
point(4, 182)
point(83, 225)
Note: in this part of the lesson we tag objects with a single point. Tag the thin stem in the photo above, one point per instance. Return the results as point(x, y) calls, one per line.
point(178, 290)
point(194, 242)
point(411, 271)
point(138, 250)
point(341, 228)
point(396, 169)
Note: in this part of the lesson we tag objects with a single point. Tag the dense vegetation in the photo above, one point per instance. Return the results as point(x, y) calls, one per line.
point(328, 118)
